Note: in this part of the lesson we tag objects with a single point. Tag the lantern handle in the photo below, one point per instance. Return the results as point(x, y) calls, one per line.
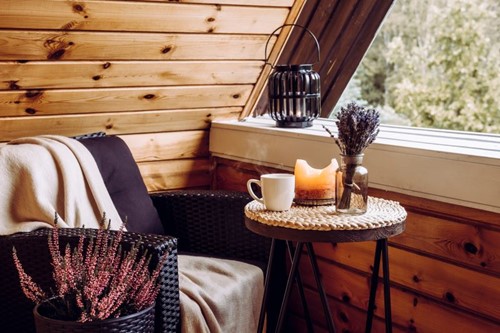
point(294, 25)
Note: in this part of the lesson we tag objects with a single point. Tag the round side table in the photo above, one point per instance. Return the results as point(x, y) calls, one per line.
point(307, 224)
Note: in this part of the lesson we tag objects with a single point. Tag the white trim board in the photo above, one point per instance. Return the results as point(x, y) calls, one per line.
point(449, 166)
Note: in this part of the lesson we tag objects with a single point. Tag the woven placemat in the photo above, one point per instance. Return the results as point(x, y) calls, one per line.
point(381, 213)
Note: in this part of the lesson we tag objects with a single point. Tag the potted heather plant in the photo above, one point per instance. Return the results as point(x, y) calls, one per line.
point(357, 129)
point(98, 286)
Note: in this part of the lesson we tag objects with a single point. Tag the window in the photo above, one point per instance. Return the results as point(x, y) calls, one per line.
point(434, 64)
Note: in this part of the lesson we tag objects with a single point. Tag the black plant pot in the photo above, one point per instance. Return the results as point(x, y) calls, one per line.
point(140, 322)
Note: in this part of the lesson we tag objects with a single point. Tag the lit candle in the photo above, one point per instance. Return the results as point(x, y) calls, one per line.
point(314, 186)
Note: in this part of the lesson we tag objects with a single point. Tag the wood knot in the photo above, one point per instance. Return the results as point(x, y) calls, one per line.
point(211, 19)
point(33, 93)
point(106, 65)
point(343, 317)
point(470, 248)
point(149, 96)
point(416, 279)
point(78, 8)
point(30, 111)
point(57, 54)
point(96, 77)
point(236, 96)
point(109, 126)
point(450, 297)
point(13, 85)
point(346, 298)
point(415, 302)
point(166, 49)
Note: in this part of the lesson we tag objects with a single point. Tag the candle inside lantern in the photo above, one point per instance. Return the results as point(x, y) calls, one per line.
point(314, 186)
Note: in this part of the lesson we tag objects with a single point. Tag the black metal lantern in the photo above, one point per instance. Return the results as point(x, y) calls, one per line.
point(294, 92)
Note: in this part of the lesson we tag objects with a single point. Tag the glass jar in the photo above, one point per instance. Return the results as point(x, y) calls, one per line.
point(351, 190)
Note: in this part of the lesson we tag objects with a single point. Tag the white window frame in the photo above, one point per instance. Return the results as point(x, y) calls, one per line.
point(450, 166)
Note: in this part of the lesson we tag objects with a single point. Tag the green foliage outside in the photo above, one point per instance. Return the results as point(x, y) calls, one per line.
point(434, 63)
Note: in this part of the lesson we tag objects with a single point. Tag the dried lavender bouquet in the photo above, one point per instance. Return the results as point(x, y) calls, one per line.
point(357, 129)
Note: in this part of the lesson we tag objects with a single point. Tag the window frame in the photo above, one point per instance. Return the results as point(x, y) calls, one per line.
point(464, 170)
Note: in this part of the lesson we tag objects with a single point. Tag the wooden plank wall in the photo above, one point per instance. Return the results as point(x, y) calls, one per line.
point(155, 73)
point(444, 269)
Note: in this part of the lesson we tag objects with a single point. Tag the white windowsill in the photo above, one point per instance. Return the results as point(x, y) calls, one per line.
point(449, 166)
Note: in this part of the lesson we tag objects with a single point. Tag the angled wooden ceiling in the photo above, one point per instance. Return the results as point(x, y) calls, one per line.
point(134, 66)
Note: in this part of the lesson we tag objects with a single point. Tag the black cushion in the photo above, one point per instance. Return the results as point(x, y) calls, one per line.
point(124, 183)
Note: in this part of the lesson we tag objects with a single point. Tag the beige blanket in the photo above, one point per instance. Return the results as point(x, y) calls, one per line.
point(218, 295)
point(47, 174)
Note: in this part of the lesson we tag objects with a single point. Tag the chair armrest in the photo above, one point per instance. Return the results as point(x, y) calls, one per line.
point(211, 223)
point(32, 249)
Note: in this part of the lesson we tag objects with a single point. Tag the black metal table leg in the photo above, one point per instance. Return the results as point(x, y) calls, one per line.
point(266, 287)
point(300, 286)
point(321, 290)
point(373, 287)
point(289, 283)
point(380, 250)
point(387, 287)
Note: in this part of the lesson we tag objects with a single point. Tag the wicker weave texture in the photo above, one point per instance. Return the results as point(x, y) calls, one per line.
point(381, 213)
point(140, 322)
point(211, 223)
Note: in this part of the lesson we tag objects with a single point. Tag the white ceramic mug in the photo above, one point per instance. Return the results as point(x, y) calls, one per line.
point(278, 190)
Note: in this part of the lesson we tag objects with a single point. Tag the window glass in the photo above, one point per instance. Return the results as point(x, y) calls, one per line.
point(434, 63)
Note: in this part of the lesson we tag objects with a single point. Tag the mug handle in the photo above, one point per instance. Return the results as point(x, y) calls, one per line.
point(250, 191)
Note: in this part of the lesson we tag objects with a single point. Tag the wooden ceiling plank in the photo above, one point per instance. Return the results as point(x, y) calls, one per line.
point(140, 16)
point(167, 146)
point(260, 3)
point(175, 174)
point(116, 123)
point(34, 103)
point(60, 45)
point(95, 74)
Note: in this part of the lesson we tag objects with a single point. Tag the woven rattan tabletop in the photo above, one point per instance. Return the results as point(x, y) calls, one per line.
point(384, 218)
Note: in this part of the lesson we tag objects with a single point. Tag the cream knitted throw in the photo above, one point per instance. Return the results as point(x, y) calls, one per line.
point(219, 295)
point(42, 175)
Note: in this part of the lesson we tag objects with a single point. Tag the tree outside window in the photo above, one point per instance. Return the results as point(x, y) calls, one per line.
point(434, 63)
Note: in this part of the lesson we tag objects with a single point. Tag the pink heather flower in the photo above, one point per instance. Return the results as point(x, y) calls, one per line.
point(30, 289)
point(98, 280)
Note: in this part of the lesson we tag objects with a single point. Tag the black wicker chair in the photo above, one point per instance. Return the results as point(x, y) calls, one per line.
point(203, 222)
